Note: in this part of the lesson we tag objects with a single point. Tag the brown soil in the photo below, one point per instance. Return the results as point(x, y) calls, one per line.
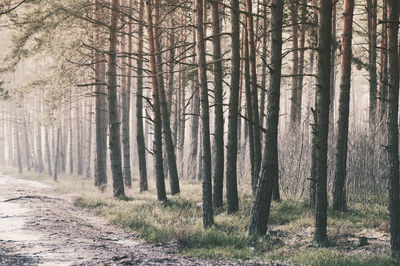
point(40, 227)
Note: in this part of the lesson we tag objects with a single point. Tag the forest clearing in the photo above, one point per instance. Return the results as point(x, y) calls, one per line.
point(211, 132)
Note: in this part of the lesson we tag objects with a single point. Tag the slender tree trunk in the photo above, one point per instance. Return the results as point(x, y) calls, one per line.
point(333, 69)
point(232, 146)
point(295, 109)
point(17, 144)
point(70, 147)
point(88, 139)
point(195, 129)
point(321, 125)
point(262, 200)
point(27, 149)
point(47, 151)
point(141, 146)
point(254, 90)
point(39, 156)
point(218, 109)
point(160, 182)
point(393, 130)
point(339, 195)
point(114, 123)
point(383, 81)
point(126, 100)
point(79, 146)
point(165, 112)
point(264, 61)
point(100, 168)
point(208, 219)
point(372, 55)
point(249, 109)
point(57, 153)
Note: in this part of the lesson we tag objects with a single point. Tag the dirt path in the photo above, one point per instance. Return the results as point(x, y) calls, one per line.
point(40, 227)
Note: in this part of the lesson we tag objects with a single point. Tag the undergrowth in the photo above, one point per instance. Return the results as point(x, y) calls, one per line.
point(290, 234)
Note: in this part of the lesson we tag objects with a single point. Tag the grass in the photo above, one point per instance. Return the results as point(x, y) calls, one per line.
point(290, 227)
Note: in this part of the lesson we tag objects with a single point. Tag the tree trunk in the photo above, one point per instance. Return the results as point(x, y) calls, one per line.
point(321, 123)
point(393, 130)
point(339, 195)
point(57, 153)
point(232, 146)
point(295, 109)
point(79, 146)
point(160, 182)
point(126, 100)
point(372, 44)
point(70, 147)
point(47, 151)
point(249, 109)
point(88, 139)
point(254, 89)
point(383, 81)
point(165, 112)
point(100, 168)
point(39, 156)
point(17, 144)
point(114, 123)
point(141, 146)
point(262, 200)
point(264, 61)
point(208, 219)
point(218, 109)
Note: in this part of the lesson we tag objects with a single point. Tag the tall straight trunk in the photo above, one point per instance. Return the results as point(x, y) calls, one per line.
point(372, 56)
point(141, 146)
point(295, 109)
point(249, 110)
point(195, 129)
point(313, 177)
point(47, 151)
point(71, 137)
point(10, 141)
point(114, 123)
point(383, 79)
point(264, 61)
point(27, 148)
point(126, 100)
point(333, 68)
point(393, 130)
point(165, 112)
point(160, 182)
point(38, 135)
point(339, 194)
point(100, 168)
point(88, 139)
point(17, 144)
point(262, 200)
point(79, 146)
point(254, 89)
point(57, 153)
point(218, 108)
point(321, 123)
point(208, 219)
point(232, 146)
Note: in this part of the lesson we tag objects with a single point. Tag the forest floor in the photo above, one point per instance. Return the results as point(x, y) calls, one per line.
point(71, 222)
point(39, 226)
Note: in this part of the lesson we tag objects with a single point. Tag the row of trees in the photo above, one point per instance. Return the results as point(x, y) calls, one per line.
point(99, 48)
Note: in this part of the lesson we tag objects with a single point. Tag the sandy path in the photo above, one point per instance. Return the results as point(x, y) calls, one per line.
point(40, 227)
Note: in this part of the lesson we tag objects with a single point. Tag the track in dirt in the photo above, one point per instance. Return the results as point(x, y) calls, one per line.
point(40, 227)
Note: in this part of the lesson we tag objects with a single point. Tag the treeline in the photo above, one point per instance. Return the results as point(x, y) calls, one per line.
point(199, 90)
